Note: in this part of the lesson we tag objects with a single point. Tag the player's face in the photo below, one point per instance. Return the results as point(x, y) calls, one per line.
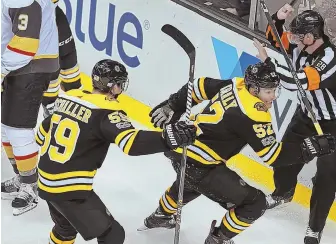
point(116, 89)
point(268, 95)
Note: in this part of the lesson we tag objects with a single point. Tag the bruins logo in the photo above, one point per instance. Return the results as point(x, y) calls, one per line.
point(260, 106)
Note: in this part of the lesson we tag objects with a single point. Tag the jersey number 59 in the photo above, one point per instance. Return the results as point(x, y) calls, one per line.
point(65, 135)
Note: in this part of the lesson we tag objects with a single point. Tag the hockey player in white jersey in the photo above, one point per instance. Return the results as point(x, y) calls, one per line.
point(29, 57)
point(69, 76)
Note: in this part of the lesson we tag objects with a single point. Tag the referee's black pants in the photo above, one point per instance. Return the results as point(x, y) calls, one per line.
point(324, 182)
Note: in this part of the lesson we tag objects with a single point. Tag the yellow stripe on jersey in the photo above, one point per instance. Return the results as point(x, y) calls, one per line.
point(54, 84)
point(236, 220)
point(47, 56)
point(66, 175)
point(233, 224)
point(123, 135)
point(25, 44)
point(42, 130)
point(198, 92)
point(229, 227)
point(195, 98)
point(66, 182)
point(270, 154)
point(27, 162)
point(129, 142)
point(55, 240)
point(38, 140)
point(69, 71)
point(196, 157)
point(208, 150)
point(70, 80)
point(165, 208)
point(40, 135)
point(8, 149)
point(64, 189)
point(50, 94)
point(202, 153)
point(201, 88)
point(275, 155)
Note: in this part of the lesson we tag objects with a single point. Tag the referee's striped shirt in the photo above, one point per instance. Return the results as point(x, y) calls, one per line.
point(316, 72)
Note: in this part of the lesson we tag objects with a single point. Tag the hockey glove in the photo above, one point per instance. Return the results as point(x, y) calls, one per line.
point(163, 114)
point(179, 134)
point(317, 146)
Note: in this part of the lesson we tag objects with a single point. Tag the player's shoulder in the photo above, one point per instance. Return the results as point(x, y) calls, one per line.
point(216, 80)
point(97, 102)
point(249, 105)
point(17, 4)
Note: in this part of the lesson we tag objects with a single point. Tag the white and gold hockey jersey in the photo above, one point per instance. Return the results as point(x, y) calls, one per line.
point(29, 37)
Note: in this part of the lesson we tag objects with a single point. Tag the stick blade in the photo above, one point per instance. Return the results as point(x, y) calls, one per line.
point(179, 37)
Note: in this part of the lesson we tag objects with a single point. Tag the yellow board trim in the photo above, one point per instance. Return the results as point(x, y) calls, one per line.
point(247, 167)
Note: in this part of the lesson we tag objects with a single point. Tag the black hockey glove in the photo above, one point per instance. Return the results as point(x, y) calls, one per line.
point(163, 114)
point(317, 146)
point(179, 134)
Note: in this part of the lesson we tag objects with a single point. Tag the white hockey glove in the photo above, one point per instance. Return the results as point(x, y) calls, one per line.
point(163, 114)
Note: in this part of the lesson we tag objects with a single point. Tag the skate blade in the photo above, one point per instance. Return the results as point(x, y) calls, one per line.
point(143, 228)
point(8, 196)
point(282, 206)
point(20, 211)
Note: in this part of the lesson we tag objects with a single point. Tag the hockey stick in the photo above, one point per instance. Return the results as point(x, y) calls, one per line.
point(189, 48)
point(293, 2)
point(291, 67)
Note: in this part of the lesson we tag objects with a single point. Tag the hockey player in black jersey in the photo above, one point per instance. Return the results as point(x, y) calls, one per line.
point(68, 76)
point(75, 141)
point(237, 115)
point(314, 58)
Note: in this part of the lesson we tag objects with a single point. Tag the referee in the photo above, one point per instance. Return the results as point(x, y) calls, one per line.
point(314, 58)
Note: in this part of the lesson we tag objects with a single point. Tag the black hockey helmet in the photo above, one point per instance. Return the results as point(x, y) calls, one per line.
point(261, 75)
point(107, 73)
point(308, 21)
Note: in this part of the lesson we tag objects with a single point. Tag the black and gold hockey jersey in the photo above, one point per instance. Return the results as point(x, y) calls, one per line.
point(232, 119)
point(75, 141)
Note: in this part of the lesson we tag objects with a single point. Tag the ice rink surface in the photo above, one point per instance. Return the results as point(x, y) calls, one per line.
point(131, 188)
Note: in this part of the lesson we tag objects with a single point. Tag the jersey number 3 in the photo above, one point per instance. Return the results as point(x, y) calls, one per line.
point(66, 136)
